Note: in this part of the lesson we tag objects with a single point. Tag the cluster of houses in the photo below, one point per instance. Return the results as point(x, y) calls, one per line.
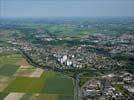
point(115, 86)
point(8, 49)
point(91, 89)
point(96, 56)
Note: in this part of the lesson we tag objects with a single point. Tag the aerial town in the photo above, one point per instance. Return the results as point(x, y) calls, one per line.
point(66, 49)
point(98, 65)
point(92, 52)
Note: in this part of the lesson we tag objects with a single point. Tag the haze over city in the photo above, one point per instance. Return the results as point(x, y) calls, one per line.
point(66, 8)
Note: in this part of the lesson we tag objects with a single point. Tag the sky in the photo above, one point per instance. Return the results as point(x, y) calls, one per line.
point(66, 8)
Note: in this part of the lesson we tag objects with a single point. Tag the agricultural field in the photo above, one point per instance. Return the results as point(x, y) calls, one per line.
point(21, 81)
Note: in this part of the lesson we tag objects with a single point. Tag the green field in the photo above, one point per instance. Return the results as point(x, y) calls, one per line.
point(48, 86)
point(59, 85)
point(8, 70)
point(25, 84)
point(10, 59)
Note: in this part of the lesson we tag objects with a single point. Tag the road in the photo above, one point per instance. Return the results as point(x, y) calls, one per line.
point(77, 95)
point(78, 92)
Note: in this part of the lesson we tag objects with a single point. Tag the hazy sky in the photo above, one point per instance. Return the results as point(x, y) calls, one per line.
point(66, 8)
